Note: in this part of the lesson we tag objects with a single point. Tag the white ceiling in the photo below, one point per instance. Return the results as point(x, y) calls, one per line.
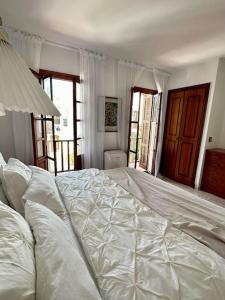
point(163, 33)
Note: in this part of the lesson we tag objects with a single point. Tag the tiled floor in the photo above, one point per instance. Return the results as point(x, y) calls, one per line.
point(209, 197)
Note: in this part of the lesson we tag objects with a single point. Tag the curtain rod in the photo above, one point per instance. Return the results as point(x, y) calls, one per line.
point(76, 49)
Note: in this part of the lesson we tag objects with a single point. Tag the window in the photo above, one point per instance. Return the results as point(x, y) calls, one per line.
point(62, 135)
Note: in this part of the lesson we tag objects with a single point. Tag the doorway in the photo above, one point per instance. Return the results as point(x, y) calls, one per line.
point(143, 129)
point(185, 116)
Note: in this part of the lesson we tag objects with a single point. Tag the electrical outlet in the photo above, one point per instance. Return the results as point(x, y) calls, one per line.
point(210, 139)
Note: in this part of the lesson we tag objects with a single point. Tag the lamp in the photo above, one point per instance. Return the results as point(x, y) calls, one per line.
point(19, 89)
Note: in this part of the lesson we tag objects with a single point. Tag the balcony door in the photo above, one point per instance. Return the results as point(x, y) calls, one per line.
point(39, 132)
point(61, 135)
point(143, 129)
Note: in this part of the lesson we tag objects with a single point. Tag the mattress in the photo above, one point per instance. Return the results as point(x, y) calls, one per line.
point(135, 252)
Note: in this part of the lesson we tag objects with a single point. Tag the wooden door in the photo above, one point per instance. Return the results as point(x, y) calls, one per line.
point(172, 132)
point(183, 129)
point(192, 121)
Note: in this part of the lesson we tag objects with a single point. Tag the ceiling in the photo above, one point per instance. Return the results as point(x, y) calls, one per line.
point(162, 33)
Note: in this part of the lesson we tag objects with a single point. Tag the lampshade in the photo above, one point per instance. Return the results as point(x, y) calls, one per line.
point(19, 89)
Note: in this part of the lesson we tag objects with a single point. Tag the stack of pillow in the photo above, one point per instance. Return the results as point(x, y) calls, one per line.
point(39, 256)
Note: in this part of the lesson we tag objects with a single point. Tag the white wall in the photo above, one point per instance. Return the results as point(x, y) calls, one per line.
point(193, 75)
point(60, 59)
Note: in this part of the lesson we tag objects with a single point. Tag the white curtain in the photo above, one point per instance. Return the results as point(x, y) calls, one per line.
point(29, 47)
point(128, 75)
point(161, 82)
point(93, 109)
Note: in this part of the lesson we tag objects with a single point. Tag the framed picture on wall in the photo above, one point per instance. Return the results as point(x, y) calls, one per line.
point(111, 114)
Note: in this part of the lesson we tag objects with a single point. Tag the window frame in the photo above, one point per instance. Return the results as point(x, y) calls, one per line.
point(74, 79)
point(139, 90)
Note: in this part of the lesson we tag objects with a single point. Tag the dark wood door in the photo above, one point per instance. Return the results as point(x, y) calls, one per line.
point(172, 132)
point(183, 129)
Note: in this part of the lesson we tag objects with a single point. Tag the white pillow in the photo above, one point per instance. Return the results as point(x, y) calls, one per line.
point(15, 177)
point(61, 272)
point(17, 264)
point(42, 189)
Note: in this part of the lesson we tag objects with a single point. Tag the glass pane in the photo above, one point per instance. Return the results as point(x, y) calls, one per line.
point(139, 149)
point(58, 156)
point(65, 156)
point(78, 147)
point(63, 99)
point(40, 149)
point(78, 91)
point(71, 155)
point(39, 129)
point(133, 144)
point(50, 149)
point(78, 110)
point(133, 137)
point(78, 130)
point(135, 106)
point(131, 160)
point(47, 86)
point(141, 116)
point(49, 134)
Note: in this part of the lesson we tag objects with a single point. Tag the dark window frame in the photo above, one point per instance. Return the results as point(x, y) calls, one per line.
point(67, 77)
point(141, 90)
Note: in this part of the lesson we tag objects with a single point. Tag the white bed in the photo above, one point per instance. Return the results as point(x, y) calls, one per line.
point(139, 238)
point(135, 252)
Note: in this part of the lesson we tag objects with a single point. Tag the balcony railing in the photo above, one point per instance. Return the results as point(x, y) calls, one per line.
point(64, 155)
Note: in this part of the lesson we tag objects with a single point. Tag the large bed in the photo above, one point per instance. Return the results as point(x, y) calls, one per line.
point(140, 238)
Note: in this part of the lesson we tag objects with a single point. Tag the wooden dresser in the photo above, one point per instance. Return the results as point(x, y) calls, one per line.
point(213, 180)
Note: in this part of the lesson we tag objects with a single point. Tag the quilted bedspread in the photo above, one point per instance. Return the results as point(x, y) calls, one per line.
point(133, 251)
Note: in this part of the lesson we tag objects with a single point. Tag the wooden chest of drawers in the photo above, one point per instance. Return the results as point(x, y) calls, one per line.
point(213, 180)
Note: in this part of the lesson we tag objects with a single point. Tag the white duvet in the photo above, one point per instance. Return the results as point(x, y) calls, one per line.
point(134, 252)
